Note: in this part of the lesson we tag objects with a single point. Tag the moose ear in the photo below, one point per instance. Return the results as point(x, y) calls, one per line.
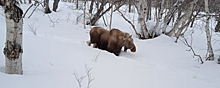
point(130, 36)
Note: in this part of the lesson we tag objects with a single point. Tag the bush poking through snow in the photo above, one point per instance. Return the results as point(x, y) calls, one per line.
point(88, 75)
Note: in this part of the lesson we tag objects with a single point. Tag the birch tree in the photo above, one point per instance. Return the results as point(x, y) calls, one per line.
point(142, 12)
point(84, 14)
point(111, 15)
point(208, 35)
point(159, 17)
point(170, 15)
point(183, 19)
point(13, 46)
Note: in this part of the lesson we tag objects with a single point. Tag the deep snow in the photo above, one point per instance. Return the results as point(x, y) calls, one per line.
point(59, 49)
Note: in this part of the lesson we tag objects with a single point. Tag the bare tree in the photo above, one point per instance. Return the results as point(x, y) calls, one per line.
point(84, 14)
point(170, 15)
point(159, 17)
point(99, 13)
point(14, 25)
point(111, 15)
point(208, 35)
point(183, 18)
point(142, 12)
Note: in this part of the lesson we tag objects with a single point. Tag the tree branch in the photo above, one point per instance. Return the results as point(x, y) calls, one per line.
point(187, 44)
point(139, 35)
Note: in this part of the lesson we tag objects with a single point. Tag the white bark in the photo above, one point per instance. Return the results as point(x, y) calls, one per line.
point(111, 15)
point(170, 13)
point(183, 19)
point(84, 14)
point(13, 49)
point(159, 17)
point(142, 12)
point(209, 44)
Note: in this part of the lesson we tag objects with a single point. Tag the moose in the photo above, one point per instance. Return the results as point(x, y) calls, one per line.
point(112, 40)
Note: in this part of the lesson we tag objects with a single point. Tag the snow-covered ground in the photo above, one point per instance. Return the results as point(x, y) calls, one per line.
point(59, 50)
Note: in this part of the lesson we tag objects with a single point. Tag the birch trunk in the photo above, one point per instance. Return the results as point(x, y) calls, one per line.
point(13, 48)
point(208, 35)
point(142, 11)
point(111, 15)
point(84, 14)
point(183, 19)
point(169, 15)
point(158, 18)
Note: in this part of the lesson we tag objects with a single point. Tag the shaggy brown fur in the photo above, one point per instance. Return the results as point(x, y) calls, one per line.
point(111, 41)
point(104, 38)
point(95, 34)
point(117, 40)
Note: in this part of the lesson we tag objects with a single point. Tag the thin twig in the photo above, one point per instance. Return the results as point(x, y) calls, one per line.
point(79, 79)
point(89, 75)
point(96, 57)
point(34, 10)
point(187, 44)
point(27, 10)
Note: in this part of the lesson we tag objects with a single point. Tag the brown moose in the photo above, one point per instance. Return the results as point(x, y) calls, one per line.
point(95, 34)
point(111, 41)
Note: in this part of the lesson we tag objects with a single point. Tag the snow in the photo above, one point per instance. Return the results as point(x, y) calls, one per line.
point(59, 50)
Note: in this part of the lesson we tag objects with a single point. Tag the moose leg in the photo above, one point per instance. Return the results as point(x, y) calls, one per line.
point(117, 52)
point(95, 45)
point(125, 49)
point(89, 43)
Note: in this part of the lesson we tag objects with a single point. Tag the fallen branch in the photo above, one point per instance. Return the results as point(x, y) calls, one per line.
point(187, 44)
